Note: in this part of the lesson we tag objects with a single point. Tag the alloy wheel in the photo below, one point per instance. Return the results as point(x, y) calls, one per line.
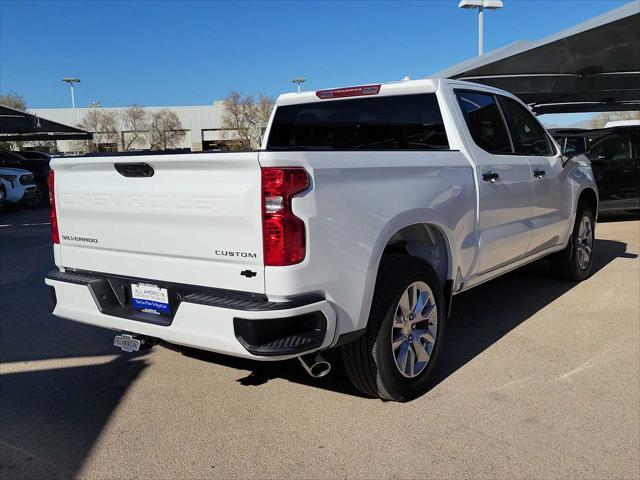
point(414, 330)
point(585, 242)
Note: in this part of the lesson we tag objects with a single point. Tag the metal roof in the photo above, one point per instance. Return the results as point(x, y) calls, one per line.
point(593, 66)
point(23, 126)
point(191, 117)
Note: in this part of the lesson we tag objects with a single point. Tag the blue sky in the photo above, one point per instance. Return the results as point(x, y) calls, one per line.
point(191, 53)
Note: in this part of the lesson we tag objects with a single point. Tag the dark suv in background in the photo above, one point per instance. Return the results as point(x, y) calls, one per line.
point(614, 153)
point(615, 160)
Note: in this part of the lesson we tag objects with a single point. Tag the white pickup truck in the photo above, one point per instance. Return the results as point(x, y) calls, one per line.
point(366, 211)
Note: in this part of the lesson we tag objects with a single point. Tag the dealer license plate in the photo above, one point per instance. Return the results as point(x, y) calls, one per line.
point(150, 298)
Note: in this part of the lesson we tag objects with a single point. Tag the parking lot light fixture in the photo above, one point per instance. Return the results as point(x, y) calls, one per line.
point(71, 81)
point(298, 81)
point(481, 5)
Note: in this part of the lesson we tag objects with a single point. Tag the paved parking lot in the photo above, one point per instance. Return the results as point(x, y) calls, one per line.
point(539, 378)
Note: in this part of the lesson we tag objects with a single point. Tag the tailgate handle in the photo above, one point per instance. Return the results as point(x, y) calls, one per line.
point(134, 169)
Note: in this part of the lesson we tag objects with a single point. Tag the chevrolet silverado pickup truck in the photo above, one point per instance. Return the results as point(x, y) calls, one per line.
point(364, 213)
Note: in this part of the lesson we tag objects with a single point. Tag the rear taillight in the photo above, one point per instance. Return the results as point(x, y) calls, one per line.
point(283, 234)
point(55, 237)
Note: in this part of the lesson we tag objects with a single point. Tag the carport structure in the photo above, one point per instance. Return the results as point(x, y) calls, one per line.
point(16, 125)
point(591, 67)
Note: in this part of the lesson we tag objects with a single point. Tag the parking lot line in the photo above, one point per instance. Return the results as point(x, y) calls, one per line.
point(25, 224)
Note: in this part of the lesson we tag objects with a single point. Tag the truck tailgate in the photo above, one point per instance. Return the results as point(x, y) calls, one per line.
point(196, 220)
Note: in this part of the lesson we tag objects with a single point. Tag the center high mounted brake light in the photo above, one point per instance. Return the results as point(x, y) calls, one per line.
point(348, 92)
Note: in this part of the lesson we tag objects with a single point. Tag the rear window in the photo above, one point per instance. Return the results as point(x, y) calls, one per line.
point(404, 122)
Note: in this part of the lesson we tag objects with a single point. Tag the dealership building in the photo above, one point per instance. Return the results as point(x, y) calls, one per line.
point(202, 126)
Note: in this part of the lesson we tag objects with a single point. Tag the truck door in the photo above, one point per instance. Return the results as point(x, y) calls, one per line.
point(504, 182)
point(551, 205)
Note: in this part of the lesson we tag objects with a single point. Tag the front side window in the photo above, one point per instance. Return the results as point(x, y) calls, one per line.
point(614, 147)
point(484, 120)
point(402, 122)
point(529, 138)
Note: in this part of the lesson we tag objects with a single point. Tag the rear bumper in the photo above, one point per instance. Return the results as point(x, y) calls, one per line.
point(30, 191)
point(254, 328)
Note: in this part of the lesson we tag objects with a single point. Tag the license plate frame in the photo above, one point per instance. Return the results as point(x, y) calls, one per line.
point(150, 298)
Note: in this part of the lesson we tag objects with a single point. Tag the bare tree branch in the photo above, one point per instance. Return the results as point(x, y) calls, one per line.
point(601, 119)
point(13, 100)
point(246, 119)
point(103, 124)
point(165, 130)
point(135, 122)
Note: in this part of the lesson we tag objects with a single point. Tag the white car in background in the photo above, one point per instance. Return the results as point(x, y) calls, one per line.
point(3, 193)
point(16, 186)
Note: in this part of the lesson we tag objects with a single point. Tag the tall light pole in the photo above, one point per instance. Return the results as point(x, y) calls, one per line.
point(298, 81)
point(481, 5)
point(71, 81)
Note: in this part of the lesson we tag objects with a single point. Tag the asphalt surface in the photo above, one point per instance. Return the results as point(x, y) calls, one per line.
point(539, 379)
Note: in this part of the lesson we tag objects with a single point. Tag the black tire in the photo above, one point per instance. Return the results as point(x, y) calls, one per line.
point(369, 361)
point(567, 264)
point(3, 195)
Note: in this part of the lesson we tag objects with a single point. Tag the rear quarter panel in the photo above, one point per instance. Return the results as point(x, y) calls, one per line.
point(357, 201)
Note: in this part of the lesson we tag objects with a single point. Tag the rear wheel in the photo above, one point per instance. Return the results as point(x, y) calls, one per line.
point(394, 358)
point(576, 261)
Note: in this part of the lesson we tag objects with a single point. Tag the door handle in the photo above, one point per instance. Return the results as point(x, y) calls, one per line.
point(490, 177)
point(539, 173)
point(134, 169)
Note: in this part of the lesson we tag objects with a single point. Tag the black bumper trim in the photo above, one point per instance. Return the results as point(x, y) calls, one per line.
point(112, 296)
point(281, 336)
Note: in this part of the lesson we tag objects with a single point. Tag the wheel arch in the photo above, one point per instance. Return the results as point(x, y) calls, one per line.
point(590, 197)
point(411, 227)
point(426, 241)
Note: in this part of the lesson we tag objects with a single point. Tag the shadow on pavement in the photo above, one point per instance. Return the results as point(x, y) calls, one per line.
point(50, 418)
point(624, 216)
point(486, 313)
point(50, 413)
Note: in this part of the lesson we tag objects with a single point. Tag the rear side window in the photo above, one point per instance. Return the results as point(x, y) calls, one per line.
point(529, 138)
point(575, 145)
point(403, 122)
point(485, 121)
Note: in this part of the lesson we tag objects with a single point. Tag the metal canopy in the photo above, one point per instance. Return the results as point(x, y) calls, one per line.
point(594, 66)
point(22, 126)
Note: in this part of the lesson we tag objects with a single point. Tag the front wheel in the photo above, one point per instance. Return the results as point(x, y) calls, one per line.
point(576, 261)
point(394, 358)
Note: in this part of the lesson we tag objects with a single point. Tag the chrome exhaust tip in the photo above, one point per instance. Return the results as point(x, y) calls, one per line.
point(315, 365)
